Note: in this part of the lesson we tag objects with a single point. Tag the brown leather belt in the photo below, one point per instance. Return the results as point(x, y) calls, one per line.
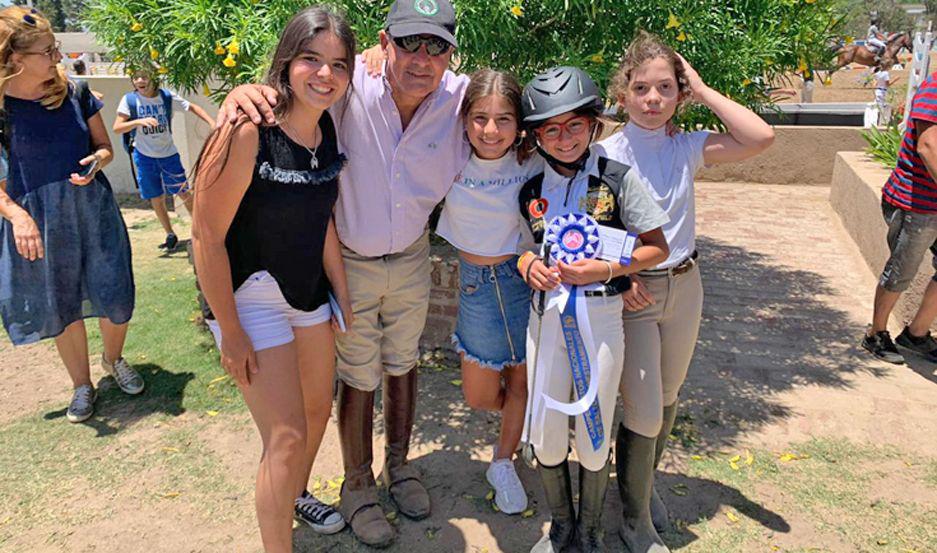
point(682, 267)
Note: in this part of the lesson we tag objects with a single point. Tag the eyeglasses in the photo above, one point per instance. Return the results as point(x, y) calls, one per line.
point(435, 46)
point(49, 52)
point(574, 127)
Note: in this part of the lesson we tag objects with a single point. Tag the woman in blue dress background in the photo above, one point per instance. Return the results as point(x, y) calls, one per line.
point(64, 249)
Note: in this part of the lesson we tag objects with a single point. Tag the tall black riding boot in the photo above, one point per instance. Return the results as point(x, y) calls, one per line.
point(559, 491)
point(634, 461)
point(592, 488)
point(659, 514)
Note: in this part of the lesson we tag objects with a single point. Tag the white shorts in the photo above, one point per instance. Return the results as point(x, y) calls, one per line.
point(265, 316)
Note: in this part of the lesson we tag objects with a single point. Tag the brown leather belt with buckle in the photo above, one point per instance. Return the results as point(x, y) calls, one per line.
point(682, 267)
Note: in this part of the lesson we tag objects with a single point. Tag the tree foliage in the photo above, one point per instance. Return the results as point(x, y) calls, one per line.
point(892, 16)
point(64, 15)
point(738, 46)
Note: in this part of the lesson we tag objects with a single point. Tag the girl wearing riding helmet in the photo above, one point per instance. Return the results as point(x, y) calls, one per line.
point(560, 111)
point(664, 305)
point(480, 220)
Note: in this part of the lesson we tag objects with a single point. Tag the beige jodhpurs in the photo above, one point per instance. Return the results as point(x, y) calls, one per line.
point(659, 344)
point(605, 320)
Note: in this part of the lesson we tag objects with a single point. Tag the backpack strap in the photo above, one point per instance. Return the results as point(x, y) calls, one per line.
point(133, 103)
point(167, 105)
point(612, 174)
point(529, 193)
point(132, 106)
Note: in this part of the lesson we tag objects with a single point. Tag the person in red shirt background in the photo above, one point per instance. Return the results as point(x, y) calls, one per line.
point(909, 205)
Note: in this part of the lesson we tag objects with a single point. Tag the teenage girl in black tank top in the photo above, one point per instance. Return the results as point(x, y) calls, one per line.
point(267, 255)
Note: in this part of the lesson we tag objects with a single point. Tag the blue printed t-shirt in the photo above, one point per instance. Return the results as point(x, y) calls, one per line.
point(47, 144)
point(910, 186)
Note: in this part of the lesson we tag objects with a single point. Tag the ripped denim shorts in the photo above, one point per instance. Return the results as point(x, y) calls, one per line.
point(494, 306)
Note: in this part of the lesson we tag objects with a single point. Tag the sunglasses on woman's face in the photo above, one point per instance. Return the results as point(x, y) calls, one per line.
point(435, 46)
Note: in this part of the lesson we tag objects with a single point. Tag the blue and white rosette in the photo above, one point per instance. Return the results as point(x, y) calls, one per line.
point(568, 238)
point(572, 237)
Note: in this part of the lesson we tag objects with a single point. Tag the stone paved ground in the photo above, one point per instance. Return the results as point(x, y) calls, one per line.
point(787, 297)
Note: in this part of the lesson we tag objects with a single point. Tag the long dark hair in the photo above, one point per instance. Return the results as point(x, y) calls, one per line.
point(303, 27)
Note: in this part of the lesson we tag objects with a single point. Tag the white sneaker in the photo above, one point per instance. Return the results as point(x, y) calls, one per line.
point(510, 496)
point(126, 376)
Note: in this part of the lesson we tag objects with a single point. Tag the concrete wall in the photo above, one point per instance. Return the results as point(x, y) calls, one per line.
point(799, 155)
point(855, 195)
point(189, 132)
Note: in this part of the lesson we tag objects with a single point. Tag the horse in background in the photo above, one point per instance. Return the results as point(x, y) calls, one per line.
point(854, 53)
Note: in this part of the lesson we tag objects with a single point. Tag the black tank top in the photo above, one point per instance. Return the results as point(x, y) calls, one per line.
point(281, 223)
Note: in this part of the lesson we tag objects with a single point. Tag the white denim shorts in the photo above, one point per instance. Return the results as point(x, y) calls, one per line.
point(266, 317)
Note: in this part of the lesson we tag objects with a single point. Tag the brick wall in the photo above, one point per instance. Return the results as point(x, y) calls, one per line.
point(443, 303)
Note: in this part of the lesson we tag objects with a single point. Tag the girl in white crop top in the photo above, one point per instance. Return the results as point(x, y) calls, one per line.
point(481, 219)
point(650, 84)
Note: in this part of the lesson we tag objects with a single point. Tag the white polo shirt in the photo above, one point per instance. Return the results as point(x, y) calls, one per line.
point(667, 165)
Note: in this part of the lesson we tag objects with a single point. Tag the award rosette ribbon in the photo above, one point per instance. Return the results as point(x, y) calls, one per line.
point(573, 237)
point(568, 238)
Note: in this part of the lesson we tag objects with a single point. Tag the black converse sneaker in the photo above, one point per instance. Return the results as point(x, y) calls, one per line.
point(170, 244)
point(925, 345)
point(881, 346)
point(320, 517)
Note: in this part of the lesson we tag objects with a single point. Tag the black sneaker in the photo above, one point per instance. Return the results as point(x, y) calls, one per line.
point(881, 346)
point(320, 517)
point(171, 241)
point(925, 345)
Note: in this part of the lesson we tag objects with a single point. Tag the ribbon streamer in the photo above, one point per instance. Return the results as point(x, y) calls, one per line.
point(573, 237)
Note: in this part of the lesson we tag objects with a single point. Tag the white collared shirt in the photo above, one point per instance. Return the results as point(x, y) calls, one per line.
point(637, 209)
point(395, 177)
point(667, 165)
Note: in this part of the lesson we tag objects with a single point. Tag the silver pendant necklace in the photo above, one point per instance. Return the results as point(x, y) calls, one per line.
point(313, 160)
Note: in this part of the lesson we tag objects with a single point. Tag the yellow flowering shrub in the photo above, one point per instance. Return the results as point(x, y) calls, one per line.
point(736, 50)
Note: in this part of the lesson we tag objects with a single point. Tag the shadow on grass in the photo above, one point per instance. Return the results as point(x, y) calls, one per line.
point(181, 251)
point(116, 411)
point(704, 499)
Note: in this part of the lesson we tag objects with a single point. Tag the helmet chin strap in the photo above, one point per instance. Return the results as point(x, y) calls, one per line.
point(576, 166)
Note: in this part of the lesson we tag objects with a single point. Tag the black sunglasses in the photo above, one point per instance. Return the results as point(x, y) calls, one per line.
point(435, 46)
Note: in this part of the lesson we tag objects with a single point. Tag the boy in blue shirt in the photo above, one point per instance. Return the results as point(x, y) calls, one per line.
point(146, 113)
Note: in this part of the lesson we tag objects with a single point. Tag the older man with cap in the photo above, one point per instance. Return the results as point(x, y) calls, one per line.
point(403, 138)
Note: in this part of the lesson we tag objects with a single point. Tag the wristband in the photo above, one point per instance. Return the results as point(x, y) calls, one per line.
point(609, 279)
point(526, 257)
point(529, 267)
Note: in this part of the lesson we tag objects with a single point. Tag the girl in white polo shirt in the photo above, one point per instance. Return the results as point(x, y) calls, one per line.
point(481, 220)
point(664, 306)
